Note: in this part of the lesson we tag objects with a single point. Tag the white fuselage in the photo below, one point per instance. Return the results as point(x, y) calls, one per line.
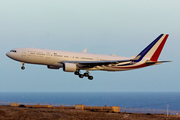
point(55, 57)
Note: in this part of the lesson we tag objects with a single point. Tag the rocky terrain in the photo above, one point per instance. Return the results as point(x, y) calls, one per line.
point(21, 113)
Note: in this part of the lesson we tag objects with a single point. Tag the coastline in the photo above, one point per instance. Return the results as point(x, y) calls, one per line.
point(16, 113)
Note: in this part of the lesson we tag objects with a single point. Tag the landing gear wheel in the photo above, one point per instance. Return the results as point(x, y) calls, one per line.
point(76, 72)
point(22, 63)
point(81, 75)
point(22, 67)
point(86, 74)
point(90, 77)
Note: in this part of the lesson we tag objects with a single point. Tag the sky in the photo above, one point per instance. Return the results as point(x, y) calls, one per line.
point(121, 27)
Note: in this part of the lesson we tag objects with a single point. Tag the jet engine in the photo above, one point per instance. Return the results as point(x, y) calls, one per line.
point(52, 67)
point(69, 67)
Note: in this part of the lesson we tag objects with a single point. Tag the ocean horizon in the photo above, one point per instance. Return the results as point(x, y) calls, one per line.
point(147, 100)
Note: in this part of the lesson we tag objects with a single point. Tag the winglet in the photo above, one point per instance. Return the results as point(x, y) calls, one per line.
point(85, 50)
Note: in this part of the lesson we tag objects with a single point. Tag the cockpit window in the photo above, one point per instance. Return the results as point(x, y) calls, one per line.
point(13, 51)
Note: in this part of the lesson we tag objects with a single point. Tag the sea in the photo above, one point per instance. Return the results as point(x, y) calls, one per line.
point(145, 100)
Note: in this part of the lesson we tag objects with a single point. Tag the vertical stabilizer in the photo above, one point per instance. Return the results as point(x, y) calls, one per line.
point(153, 50)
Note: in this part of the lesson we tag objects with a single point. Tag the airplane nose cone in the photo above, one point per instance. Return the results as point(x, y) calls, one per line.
point(8, 54)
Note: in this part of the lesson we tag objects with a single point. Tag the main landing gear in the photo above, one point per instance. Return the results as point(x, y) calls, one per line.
point(86, 74)
point(22, 66)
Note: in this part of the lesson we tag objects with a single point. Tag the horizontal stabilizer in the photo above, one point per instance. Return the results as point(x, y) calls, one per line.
point(152, 62)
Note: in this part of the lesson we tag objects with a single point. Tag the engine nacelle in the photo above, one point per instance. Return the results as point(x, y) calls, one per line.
point(69, 67)
point(52, 67)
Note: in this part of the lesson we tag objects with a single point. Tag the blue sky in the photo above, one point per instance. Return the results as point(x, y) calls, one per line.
point(121, 27)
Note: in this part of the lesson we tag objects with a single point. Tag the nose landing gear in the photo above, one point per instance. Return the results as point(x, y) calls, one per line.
point(86, 74)
point(22, 66)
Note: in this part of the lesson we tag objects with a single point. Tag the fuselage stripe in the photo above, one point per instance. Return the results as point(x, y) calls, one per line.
point(131, 67)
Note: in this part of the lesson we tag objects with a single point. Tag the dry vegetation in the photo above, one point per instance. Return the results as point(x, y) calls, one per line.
point(21, 113)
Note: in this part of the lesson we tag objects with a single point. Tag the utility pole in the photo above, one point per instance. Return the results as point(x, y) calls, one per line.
point(167, 110)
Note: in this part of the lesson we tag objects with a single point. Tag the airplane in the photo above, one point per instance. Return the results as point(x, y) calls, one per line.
point(76, 61)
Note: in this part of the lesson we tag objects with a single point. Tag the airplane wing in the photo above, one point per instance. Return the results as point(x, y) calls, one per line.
point(91, 64)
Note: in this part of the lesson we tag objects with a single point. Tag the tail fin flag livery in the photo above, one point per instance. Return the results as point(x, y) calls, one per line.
point(153, 50)
point(77, 61)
